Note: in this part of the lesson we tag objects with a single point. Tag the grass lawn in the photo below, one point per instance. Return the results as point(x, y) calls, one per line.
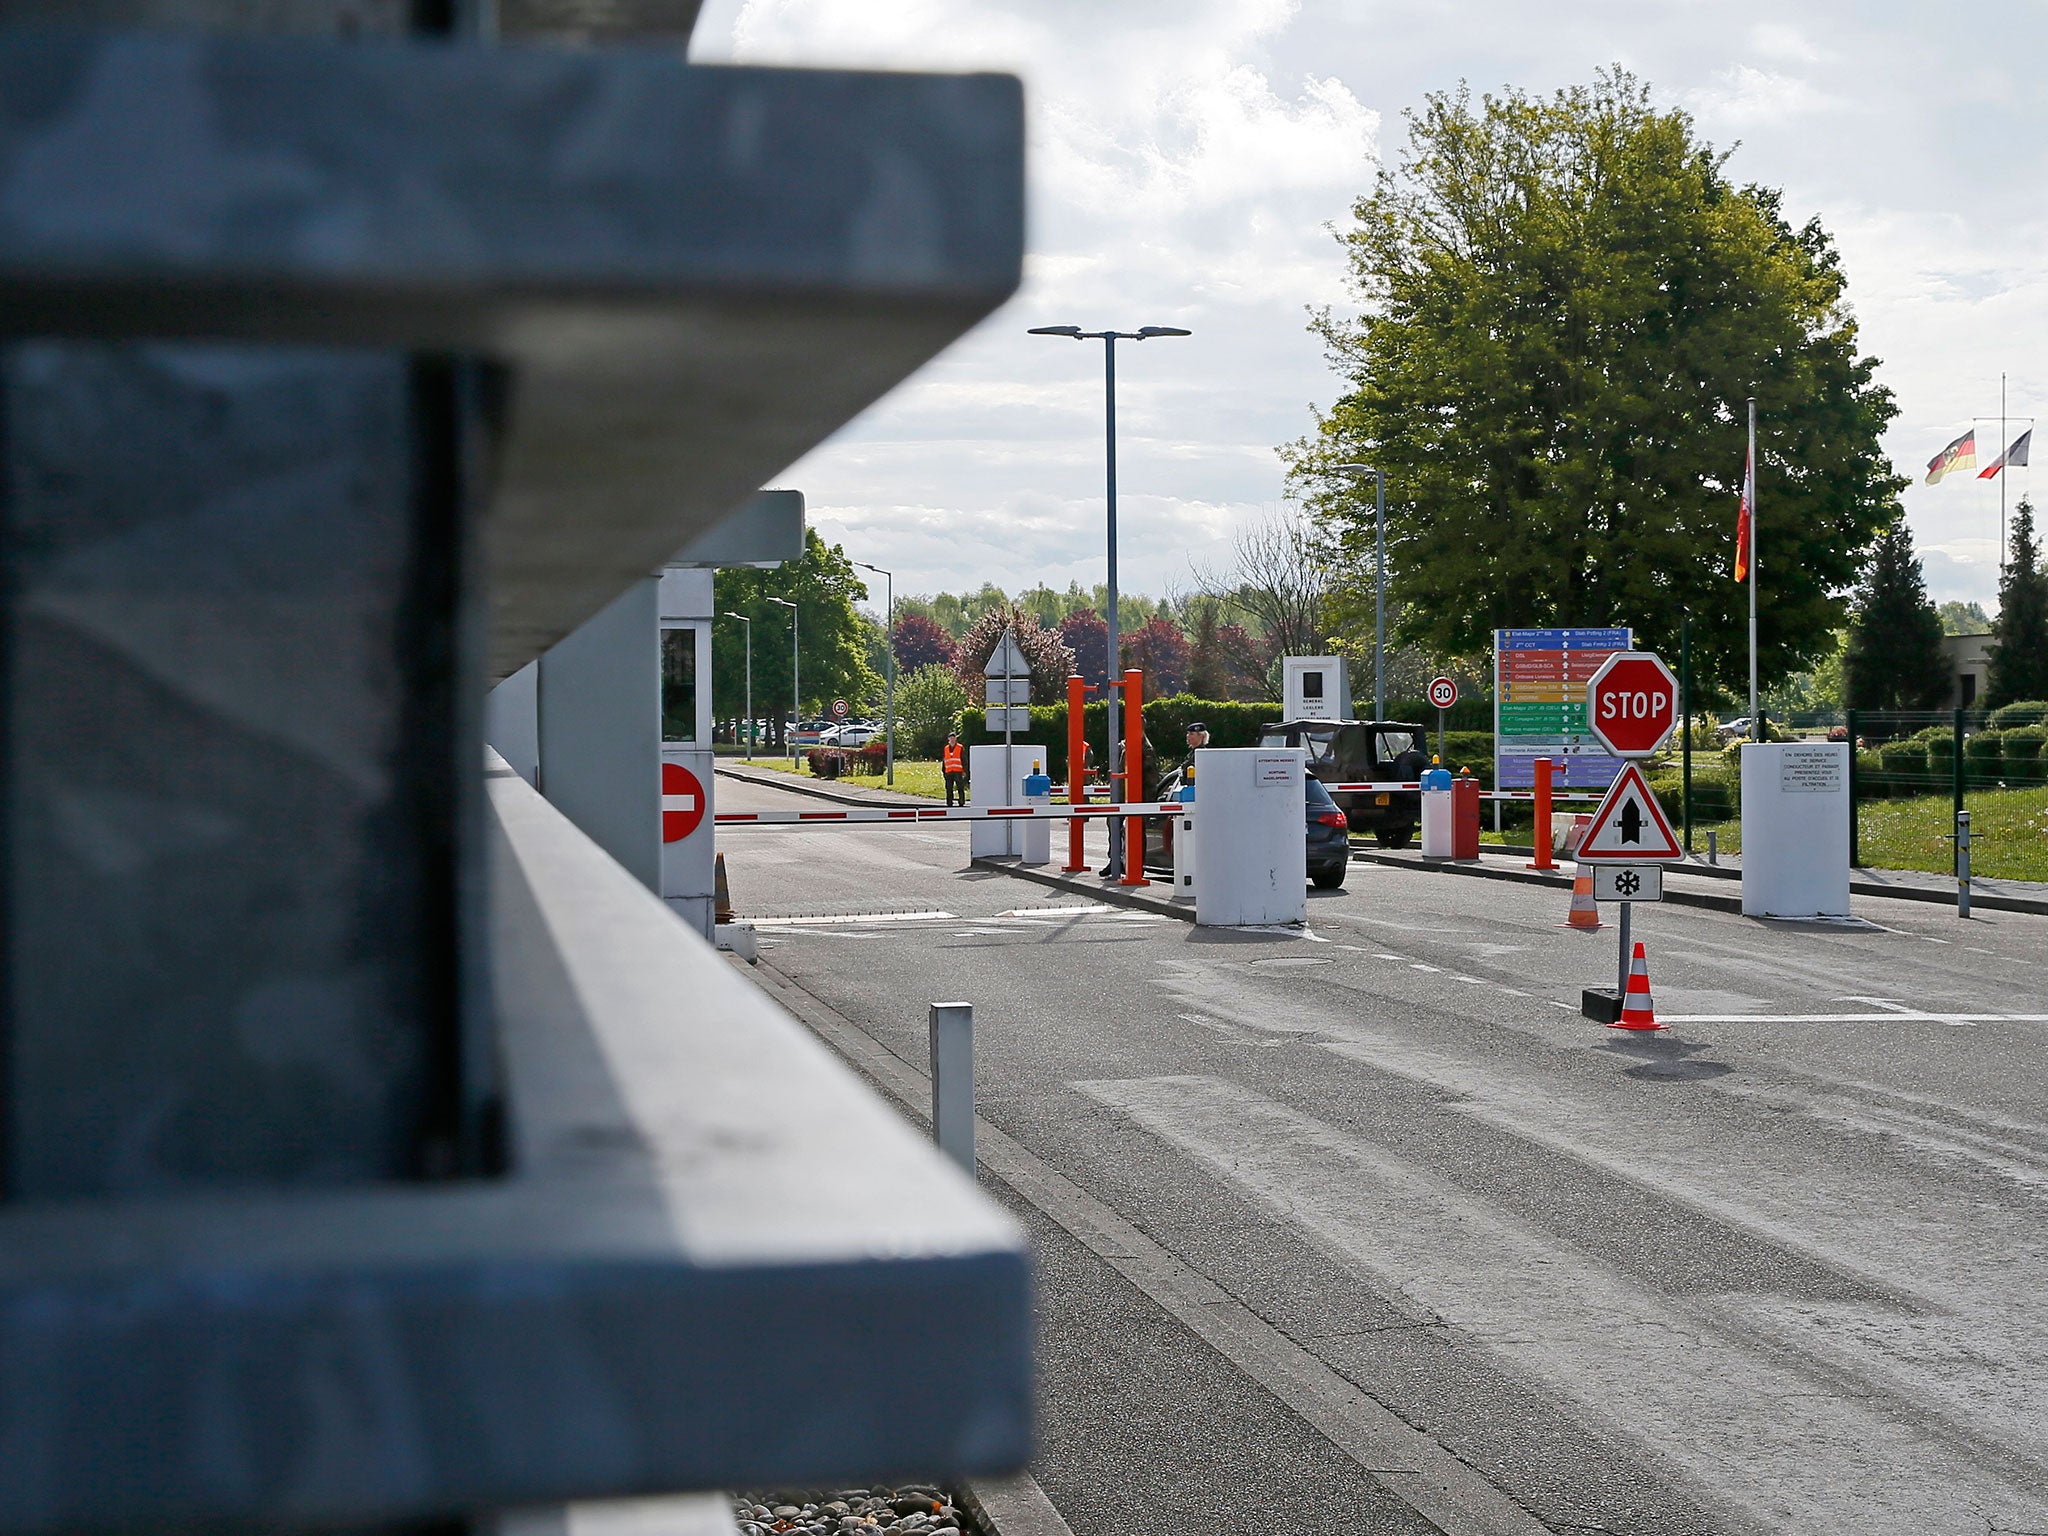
point(2008, 834)
point(912, 777)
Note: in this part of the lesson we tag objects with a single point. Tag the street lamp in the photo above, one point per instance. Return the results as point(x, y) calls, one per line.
point(796, 707)
point(1109, 339)
point(750, 679)
point(1379, 620)
point(889, 639)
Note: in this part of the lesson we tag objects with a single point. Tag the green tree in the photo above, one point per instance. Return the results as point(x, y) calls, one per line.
point(1894, 659)
point(833, 637)
point(1566, 304)
point(1964, 619)
point(928, 704)
point(2019, 647)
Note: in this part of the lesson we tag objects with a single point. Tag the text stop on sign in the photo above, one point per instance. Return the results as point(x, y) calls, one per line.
point(1632, 703)
point(682, 802)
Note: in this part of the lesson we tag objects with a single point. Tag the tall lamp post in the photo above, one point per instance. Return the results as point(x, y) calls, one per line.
point(796, 696)
point(1109, 339)
point(750, 678)
point(889, 644)
point(1379, 621)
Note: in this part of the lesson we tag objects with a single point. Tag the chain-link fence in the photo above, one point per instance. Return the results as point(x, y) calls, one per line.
point(1911, 754)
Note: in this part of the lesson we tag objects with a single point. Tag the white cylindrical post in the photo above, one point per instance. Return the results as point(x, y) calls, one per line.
point(952, 1047)
point(1962, 863)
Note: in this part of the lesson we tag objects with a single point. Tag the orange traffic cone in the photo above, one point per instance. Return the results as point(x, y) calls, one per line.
point(1637, 1011)
point(1584, 914)
point(721, 900)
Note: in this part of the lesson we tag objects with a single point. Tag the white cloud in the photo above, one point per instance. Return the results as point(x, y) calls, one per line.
point(1743, 96)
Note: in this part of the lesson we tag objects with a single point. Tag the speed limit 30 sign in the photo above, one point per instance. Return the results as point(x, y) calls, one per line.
point(1443, 692)
point(1632, 703)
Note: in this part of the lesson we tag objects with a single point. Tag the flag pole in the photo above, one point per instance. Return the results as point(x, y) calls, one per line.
point(1756, 725)
point(2002, 475)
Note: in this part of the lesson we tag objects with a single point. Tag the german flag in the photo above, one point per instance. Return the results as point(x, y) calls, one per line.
point(1960, 454)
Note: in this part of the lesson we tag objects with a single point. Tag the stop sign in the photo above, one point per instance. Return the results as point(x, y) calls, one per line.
point(1632, 703)
point(682, 802)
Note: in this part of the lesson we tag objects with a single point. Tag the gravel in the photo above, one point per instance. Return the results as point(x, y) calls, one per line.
point(910, 1509)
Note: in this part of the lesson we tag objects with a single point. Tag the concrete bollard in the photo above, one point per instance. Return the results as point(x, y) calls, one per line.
point(952, 1046)
point(1713, 846)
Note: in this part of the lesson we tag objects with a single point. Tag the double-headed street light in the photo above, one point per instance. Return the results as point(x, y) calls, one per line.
point(750, 678)
point(796, 696)
point(1379, 620)
point(889, 637)
point(1109, 339)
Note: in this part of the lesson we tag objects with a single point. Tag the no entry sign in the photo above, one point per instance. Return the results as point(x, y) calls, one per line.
point(1632, 703)
point(682, 802)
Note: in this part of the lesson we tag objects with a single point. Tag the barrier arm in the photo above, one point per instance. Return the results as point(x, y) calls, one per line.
point(1134, 776)
point(1077, 781)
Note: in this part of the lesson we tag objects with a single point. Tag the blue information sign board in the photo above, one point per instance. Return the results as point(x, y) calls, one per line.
point(1539, 705)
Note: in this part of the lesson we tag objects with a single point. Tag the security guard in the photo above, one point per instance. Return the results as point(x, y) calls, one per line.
point(1198, 737)
point(954, 766)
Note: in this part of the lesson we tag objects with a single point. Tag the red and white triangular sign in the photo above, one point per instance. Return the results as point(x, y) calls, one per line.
point(1630, 826)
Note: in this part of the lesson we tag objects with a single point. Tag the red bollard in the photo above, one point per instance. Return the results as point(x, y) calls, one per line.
point(1541, 836)
point(1465, 816)
point(1077, 781)
point(1134, 777)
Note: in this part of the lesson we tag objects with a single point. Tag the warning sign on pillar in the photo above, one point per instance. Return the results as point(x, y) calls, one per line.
point(682, 802)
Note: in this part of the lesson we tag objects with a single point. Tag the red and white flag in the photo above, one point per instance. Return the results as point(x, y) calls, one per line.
point(1742, 515)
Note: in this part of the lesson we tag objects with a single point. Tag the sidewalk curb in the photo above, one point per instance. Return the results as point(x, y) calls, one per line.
point(1115, 895)
point(1712, 899)
point(1013, 1506)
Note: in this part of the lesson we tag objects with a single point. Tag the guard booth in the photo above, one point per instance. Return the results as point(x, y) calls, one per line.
point(688, 860)
point(1315, 688)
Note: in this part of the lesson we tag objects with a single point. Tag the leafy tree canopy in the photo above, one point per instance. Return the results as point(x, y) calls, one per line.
point(831, 636)
point(1964, 619)
point(1048, 656)
point(920, 642)
point(1894, 660)
point(1566, 304)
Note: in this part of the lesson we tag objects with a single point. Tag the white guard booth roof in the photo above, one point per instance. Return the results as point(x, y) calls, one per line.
point(1251, 836)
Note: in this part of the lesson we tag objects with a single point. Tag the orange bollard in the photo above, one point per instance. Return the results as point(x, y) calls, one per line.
point(1077, 784)
point(1134, 777)
point(1541, 835)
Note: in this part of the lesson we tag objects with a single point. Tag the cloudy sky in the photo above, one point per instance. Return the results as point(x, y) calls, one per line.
point(1188, 159)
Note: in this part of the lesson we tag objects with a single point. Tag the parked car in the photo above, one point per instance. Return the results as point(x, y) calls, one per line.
point(810, 733)
point(1361, 752)
point(849, 735)
point(1328, 831)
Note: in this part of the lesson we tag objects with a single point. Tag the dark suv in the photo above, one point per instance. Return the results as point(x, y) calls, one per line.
point(1362, 752)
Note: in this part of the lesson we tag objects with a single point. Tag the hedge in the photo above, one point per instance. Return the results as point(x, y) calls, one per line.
point(1984, 758)
point(2023, 754)
point(2025, 712)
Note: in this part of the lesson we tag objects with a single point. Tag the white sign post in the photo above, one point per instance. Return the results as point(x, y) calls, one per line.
point(1007, 682)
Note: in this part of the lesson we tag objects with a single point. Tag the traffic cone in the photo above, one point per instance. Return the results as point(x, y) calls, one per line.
point(1585, 913)
point(1637, 1011)
point(721, 898)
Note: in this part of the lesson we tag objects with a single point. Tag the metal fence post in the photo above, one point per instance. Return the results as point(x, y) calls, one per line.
point(1956, 767)
point(952, 1045)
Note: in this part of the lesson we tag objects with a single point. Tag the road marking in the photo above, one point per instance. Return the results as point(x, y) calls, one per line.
point(1417, 965)
point(1790, 1445)
point(1905, 1016)
point(1403, 1460)
point(1056, 911)
point(851, 918)
point(1556, 1004)
point(1470, 981)
point(1514, 992)
point(1389, 957)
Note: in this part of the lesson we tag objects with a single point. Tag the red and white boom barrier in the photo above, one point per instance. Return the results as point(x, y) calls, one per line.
point(947, 813)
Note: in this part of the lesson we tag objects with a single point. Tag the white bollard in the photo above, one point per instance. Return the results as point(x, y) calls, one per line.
point(1184, 853)
point(952, 1046)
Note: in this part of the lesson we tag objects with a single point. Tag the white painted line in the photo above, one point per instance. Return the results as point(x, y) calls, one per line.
point(1407, 1463)
point(1470, 981)
point(1790, 1446)
point(1567, 1007)
point(1514, 992)
point(1909, 1016)
point(1389, 957)
point(851, 918)
point(1057, 911)
point(1417, 965)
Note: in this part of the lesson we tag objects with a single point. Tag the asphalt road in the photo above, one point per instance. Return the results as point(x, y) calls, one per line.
point(1366, 1227)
